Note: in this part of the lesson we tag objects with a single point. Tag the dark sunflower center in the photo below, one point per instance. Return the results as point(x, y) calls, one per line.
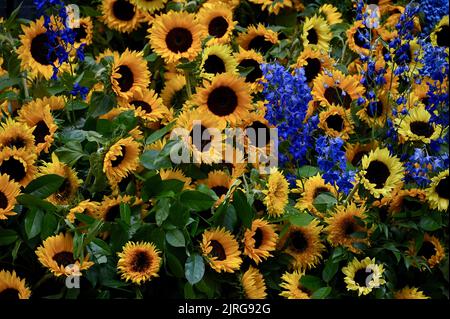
point(335, 122)
point(312, 36)
point(442, 188)
point(141, 261)
point(259, 205)
point(254, 74)
point(320, 190)
point(201, 142)
point(357, 158)
point(421, 128)
point(375, 109)
point(143, 105)
point(218, 27)
point(427, 250)
point(377, 173)
point(127, 78)
point(335, 95)
point(361, 276)
point(258, 237)
point(218, 250)
point(80, 33)
point(112, 213)
point(442, 38)
point(179, 40)
point(214, 65)
point(259, 43)
point(312, 68)
point(262, 135)
point(39, 50)
point(9, 294)
point(3, 200)
point(41, 130)
point(119, 158)
point(220, 190)
point(64, 258)
point(222, 101)
point(409, 204)
point(178, 98)
point(123, 10)
point(16, 141)
point(13, 168)
point(65, 189)
point(349, 227)
point(298, 241)
point(358, 37)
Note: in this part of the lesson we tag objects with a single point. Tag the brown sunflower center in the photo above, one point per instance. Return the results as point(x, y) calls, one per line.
point(64, 258)
point(312, 68)
point(320, 190)
point(377, 173)
point(9, 294)
point(123, 10)
point(218, 27)
point(40, 51)
point(361, 276)
point(421, 128)
point(16, 141)
point(41, 130)
point(65, 189)
point(427, 250)
point(258, 237)
point(312, 36)
point(112, 213)
point(179, 40)
point(335, 95)
point(442, 188)
point(262, 135)
point(358, 156)
point(178, 98)
point(126, 79)
point(442, 38)
point(335, 122)
point(143, 105)
point(141, 261)
point(3, 200)
point(214, 65)
point(259, 43)
point(358, 37)
point(202, 143)
point(375, 110)
point(81, 33)
point(14, 168)
point(222, 101)
point(349, 226)
point(119, 158)
point(217, 250)
point(255, 73)
point(220, 190)
point(299, 241)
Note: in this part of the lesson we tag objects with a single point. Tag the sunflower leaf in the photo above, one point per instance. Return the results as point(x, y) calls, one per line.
point(42, 187)
point(243, 208)
point(194, 269)
point(7, 237)
point(175, 238)
point(196, 200)
point(33, 222)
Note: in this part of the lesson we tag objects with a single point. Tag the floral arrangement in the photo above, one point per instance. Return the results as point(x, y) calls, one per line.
point(225, 149)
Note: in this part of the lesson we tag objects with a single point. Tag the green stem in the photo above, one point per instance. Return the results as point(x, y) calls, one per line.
point(188, 84)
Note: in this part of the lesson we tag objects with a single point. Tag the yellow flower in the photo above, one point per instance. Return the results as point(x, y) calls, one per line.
point(276, 194)
point(259, 240)
point(9, 190)
point(12, 287)
point(292, 287)
point(437, 192)
point(363, 276)
point(253, 284)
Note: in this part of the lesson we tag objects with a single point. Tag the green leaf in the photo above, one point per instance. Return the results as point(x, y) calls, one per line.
point(125, 213)
point(302, 219)
point(33, 222)
point(155, 136)
point(307, 171)
point(324, 201)
point(152, 160)
point(175, 238)
point(311, 283)
point(196, 200)
point(329, 270)
point(162, 209)
point(243, 208)
point(174, 265)
point(429, 224)
point(49, 225)
point(101, 103)
point(194, 268)
point(42, 187)
point(34, 202)
point(76, 105)
point(70, 153)
point(321, 293)
point(7, 236)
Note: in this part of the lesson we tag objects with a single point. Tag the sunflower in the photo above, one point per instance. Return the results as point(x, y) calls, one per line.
point(129, 73)
point(109, 208)
point(2, 70)
point(376, 114)
point(176, 174)
point(86, 207)
point(226, 98)
point(220, 182)
point(34, 52)
point(12, 287)
point(221, 250)
point(16, 134)
point(201, 136)
point(431, 250)
point(139, 262)
point(18, 164)
point(253, 284)
point(313, 62)
point(416, 126)
point(316, 33)
point(233, 160)
point(121, 159)
point(292, 287)
point(355, 152)
point(304, 245)
point(56, 253)
point(336, 121)
point(55, 103)
point(247, 59)
point(68, 188)
point(9, 190)
point(309, 190)
point(174, 92)
point(121, 15)
point(149, 5)
point(437, 192)
point(331, 13)
point(259, 240)
point(410, 293)
point(407, 200)
point(176, 35)
point(258, 38)
point(363, 276)
point(439, 36)
point(276, 194)
point(358, 38)
point(381, 172)
point(84, 32)
point(217, 59)
point(342, 224)
point(336, 88)
point(216, 21)
point(38, 116)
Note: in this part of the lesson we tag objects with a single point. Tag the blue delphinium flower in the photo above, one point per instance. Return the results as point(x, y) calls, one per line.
point(433, 11)
point(82, 91)
point(420, 165)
